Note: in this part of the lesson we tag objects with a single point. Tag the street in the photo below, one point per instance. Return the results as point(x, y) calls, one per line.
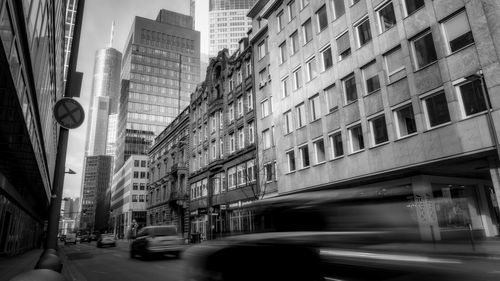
point(87, 262)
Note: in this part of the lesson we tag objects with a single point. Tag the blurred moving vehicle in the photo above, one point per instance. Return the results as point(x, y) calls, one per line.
point(157, 240)
point(62, 238)
point(352, 234)
point(85, 238)
point(106, 240)
point(93, 237)
point(70, 239)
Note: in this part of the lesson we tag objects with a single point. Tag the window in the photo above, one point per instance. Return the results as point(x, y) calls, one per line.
point(249, 68)
point(251, 132)
point(343, 45)
point(141, 198)
point(379, 130)
point(370, 78)
point(241, 174)
point(265, 108)
point(363, 32)
point(221, 147)
point(231, 178)
point(304, 156)
point(331, 97)
point(394, 64)
point(221, 120)
point(143, 186)
point(457, 32)
point(214, 122)
point(301, 116)
point(143, 175)
point(250, 100)
point(405, 121)
point(423, 49)
point(279, 20)
point(411, 6)
point(136, 163)
point(285, 88)
point(283, 53)
point(338, 8)
point(241, 138)
point(386, 17)
point(266, 138)
point(436, 109)
point(349, 84)
point(294, 43)
point(304, 3)
point(292, 10)
point(356, 138)
point(232, 146)
point(336, 145)
point(214, 150)
point(135, 186)
point(326, 57)
point(319, 151)
point(311, 68)
point(262, 77)
point(287, 117)
point(297, 78)
point(315, 108)
point(231, 112)
point(290, 157)
point(322, 18)
point(471, 97)
point(268, 172)
point(250, 171)
point(307, 31)
point(134, 198)
point(240, 106)
point(136, 175)
point(262, 49)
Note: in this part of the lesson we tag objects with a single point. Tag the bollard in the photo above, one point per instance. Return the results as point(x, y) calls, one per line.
point(49, 261)
point(39, 275)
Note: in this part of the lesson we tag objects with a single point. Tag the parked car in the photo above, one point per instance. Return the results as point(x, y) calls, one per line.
point(106, 240)
point(161, 239)
point(70, 239)
point(85, 238)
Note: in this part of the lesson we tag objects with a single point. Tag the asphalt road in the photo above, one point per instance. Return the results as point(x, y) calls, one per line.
point(86, 262)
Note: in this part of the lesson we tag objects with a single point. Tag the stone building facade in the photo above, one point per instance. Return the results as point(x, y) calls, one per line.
point(384, 94)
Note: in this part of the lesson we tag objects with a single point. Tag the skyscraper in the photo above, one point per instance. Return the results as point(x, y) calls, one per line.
point(228, 23)
point(160, 69)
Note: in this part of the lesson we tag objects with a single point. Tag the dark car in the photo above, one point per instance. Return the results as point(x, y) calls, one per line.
point(157, 240)
point(356, 234)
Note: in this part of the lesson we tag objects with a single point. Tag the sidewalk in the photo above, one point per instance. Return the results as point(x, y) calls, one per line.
point(12, 266)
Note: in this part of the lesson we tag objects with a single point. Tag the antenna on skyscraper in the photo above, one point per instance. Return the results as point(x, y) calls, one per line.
point(112, 34)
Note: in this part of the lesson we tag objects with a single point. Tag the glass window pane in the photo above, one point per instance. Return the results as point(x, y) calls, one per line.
point(322, 18)
point(344, 48)
point(331, 97)
point(338, 7)
point(406, 121)
point(364, 33)
point(379, 130)
point(387, 17)
point(425, 52)
point(472, 97)
point(413, 5)
point(327, 58)
point(437, 109)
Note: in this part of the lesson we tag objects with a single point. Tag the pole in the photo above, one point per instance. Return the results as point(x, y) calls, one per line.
point(57, 190)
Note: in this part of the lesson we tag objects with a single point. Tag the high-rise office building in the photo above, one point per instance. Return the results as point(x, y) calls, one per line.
point(160, 69)
point(228, 24)
point(68, 33)
point(31, 81)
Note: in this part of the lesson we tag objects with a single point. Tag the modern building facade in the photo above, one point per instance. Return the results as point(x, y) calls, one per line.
point(384, 94)
point(129, 195)
point(31, 81)
point(160, 69)
point(168, 192)
point(95, 206)
point(228, 24)
point(222, 170)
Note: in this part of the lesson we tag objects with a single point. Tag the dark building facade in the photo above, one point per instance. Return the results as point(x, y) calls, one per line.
point(31, 81)
point(222, 170)
point(168, 192)
point(95, 202)
point(160, 68)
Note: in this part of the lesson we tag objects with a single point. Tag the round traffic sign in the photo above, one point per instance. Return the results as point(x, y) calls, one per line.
point(69, 113)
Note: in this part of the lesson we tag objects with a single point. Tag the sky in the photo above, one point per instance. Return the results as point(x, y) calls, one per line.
point(96, 30)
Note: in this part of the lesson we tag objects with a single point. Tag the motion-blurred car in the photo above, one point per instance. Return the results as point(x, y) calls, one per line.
point(93, 237)
point(355, 234)
point(85, 238)
point(106, 240)
point(157, 240)
point(70, 239)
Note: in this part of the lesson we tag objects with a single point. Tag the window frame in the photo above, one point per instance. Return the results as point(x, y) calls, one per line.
point(416, 65)
point(445, 35)
point(331, 138)
point(288, 158)
point(386, 65)
point(291, 15)
point(310, 64)
point(462, 82)
point(365, 81)
point(307, 25)
point(395, 111)
point(350, 138)
point(372, 129)
point(318, 22)
point(301, 149)
point(343, 80)
point(340, 55)
point(405, 9)
point(279, 20)
point(357, 29)
point(285, 91)
point(297, 78)
point(335, 12)
point(315, 107)
point(423, 102)
point(294, 38)
point(288, 121)
point(322, 52)
point(265, 110)
point(301, 115)
point(282, 52)
point(315, 149)
point(379, 8)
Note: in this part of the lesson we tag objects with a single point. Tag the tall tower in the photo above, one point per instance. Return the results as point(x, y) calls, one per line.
point(228, 24)
point(160, 69)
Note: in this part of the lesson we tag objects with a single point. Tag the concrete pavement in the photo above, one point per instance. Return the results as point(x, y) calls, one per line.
point(12, 266)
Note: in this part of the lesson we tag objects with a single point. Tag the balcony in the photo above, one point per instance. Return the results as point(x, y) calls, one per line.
point(179, 167)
